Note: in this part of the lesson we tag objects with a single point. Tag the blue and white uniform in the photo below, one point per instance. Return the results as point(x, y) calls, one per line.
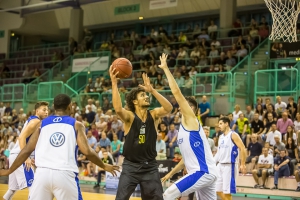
point(200, 165)
point(55, 158)
point(227, 159)
point(20, 178)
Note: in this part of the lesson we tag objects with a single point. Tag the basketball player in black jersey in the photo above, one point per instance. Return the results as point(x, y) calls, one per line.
point(139, 166)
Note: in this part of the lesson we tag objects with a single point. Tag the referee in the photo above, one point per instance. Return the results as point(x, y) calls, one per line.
point(139, 166)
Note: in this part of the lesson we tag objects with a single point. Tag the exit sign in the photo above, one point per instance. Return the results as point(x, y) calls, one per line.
point(127, 9)
point(2, 34)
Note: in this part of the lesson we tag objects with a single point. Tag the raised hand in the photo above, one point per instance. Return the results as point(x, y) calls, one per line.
point(147, 84)
point(113, 75)
point(163, 61)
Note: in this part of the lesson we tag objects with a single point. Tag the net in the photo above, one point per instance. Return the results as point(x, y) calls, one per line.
point(285, 15)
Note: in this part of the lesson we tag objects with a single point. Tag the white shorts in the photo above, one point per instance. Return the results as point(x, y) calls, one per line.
point(203, 184)
point(50, 183)
point(20, 178)
point(226, 181)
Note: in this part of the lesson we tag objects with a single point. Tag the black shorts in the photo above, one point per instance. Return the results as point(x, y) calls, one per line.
point(259, 172)
point(145, 174)
point(249, 159)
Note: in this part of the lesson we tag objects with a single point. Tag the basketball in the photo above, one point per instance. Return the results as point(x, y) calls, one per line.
point(123, 66)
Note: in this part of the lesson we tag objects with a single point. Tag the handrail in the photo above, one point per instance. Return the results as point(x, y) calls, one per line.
point(59, 65)
point(73, 93)
point(45, 45)
point(74, 78)
point(51, 91)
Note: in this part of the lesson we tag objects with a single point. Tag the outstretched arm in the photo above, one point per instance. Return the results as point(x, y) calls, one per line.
point(185, 108)
point(117, 103)
point(175, 170)
point(166, 106)
point(25, 152)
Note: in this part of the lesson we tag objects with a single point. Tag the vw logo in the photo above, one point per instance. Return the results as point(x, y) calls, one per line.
point(57, 119)
point(180, 141)
point(30, 181)
point(196, 144)
point(57, 139)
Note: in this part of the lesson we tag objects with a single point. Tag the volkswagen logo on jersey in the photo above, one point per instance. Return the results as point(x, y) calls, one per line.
point(179, 141)
point(196, 144)
point(57, 119)
point(57, 139)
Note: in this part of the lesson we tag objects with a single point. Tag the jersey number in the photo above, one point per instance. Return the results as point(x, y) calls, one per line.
point(142, 139)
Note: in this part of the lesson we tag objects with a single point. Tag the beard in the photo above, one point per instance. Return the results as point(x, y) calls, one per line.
point(145, 106)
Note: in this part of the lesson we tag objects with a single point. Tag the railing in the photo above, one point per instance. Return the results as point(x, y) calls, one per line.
point(282, 82)
point(47, 91)
point(13, 93)
point(214, 84)
point(61, 66)
point(61, 44)
point(70, 92)
point(79, 80)
point(238, 77)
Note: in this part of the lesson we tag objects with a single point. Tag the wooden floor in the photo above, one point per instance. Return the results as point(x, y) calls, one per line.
point(23, 195)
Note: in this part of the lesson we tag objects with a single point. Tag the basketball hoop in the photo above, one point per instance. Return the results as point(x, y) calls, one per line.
point(285, 15)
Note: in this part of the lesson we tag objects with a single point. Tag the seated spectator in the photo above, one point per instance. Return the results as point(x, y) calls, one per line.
point(160, 148)
point(203, 35)
point(263, 21)
point(145, 50)
point(263, 32)
point(92, 105)
point(257, 125)
point(213, 52)
point(162, 31)
point(212, 29)
point(221, 77)
point(292, 153)
point(90, 116)
point(221, 60)
point(82, 161)
point(270, 110)
point(116, 147)
point(182, 37)
point(203, 60)
point(278, 146)
point(177, 157)
point(181, 56)
point(91, 139)
point(36, 73)
point(290, 133)
point(242, 124)
point(280, 106)
point(193, 71)
point(104, 46)
point(101, 124)
point(250, 42)
point(171, 140)
point(106, 105)
point(152, 72)
point(153, 33)
point(253, 32)
point(215, 43)
point(97, 85)
point(177, 121)
point(196, 31)
point(104, 141)
point(240, 42)
point(297, 171)
point(188, 84)
point(253, 23)
point(282, 125)
point(168, 119)
point(179, 79)
point(242, 52)
point(254, 151)
point(152, 52)
point(204, 44)
point(297, 123)
point(272, 134)
point(265, 168)
point(106, 160)
point(117, 128)
point(281, 168)
point(230, 60)
point(195, 53)
point(292, 107)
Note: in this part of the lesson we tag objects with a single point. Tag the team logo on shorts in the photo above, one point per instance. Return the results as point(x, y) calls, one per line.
point(57, 139)
point(57, 119)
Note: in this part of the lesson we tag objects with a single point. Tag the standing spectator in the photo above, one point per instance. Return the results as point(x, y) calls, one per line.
point(254, 151)
point(171, 140)
point(281, 168)
point(91, 139)
point(280, 106)
point(204, 107)
point(72, 46)
point(292, 153)
point(283, 123)
point(249, 113)
point(272, 134)
point(265, 168)
point(160, 147)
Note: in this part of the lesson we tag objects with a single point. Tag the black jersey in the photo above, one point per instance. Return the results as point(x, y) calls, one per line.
point(140, 142)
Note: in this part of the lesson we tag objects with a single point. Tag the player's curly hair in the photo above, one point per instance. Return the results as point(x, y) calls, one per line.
point(192, 100)
point(131, 96)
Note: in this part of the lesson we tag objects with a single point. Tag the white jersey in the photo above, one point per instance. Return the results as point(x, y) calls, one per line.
point(16, 149)
point(227, 150)
point(195, 151)
point(57, 146)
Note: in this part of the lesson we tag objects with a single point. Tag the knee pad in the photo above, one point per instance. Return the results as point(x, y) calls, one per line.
point(9, 194)
point(172, 193)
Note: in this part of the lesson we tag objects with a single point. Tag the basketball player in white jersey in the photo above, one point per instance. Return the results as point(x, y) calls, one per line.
point(195, 150)
point(23, 176)
point(55, 144)
point(230, 146)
